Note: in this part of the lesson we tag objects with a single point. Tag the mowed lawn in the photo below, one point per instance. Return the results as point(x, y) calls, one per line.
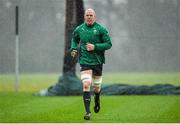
point(24, 107)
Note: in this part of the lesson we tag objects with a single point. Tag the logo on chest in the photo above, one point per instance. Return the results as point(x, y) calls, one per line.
point(95, 32)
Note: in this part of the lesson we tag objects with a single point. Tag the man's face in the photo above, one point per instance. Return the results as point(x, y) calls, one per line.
point(89, 17)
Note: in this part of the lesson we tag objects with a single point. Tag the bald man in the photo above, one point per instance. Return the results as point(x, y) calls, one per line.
point(93, 39)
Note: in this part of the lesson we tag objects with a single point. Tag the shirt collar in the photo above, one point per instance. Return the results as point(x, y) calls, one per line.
point(90, 25)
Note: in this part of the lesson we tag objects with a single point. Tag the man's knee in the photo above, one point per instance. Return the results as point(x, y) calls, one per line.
point(86, 86)
point(86, 80)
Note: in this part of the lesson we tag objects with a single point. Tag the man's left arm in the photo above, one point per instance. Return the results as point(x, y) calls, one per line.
point(106, 41)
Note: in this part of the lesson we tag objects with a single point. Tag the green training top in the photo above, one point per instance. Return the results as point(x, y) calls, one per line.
point(95, 34)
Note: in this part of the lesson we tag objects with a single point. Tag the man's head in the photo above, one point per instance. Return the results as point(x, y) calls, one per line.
point(89, 16)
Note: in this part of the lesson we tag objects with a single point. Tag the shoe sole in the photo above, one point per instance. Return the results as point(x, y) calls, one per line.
point(87, 117)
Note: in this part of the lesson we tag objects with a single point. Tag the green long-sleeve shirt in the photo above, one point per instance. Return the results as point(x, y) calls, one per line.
point(95, 34)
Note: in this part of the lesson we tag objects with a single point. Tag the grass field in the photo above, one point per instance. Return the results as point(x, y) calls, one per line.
point(24, 107)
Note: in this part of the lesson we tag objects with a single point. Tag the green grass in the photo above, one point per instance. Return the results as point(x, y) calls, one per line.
point(24, 107)
point(27, 82)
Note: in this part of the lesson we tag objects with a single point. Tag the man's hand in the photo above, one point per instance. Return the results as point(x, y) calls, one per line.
point(89, 47)
point(74, 53)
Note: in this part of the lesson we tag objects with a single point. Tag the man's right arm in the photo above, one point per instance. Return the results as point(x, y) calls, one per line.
point(74, 40)
point(74, 43)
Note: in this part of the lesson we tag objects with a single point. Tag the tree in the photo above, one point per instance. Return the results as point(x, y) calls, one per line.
point(68, 83)
point(74, 17)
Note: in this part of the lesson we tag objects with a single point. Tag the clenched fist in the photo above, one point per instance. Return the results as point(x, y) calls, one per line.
point(74, 53)
point(89, 47)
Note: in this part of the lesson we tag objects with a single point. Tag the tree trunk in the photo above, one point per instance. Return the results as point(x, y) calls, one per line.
point(74, 17)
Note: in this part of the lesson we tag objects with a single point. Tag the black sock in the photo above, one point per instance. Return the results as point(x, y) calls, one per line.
point(96, 97)
point(87, 100)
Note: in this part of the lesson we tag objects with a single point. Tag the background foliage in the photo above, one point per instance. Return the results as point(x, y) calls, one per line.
point(145, 34)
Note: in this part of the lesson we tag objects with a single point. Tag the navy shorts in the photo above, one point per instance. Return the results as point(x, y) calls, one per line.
point(96, 69)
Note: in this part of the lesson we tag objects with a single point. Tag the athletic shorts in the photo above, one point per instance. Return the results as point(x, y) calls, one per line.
point(96, 69)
